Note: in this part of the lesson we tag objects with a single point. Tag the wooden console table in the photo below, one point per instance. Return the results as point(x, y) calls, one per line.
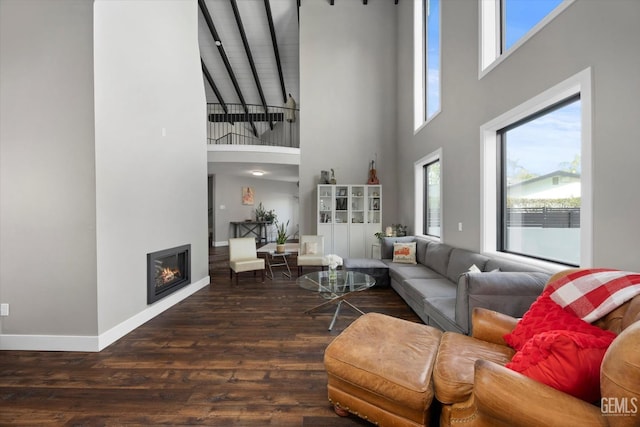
point(257, 229)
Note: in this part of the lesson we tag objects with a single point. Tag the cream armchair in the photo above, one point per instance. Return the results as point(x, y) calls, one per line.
point(243, 257)
point(311, 252)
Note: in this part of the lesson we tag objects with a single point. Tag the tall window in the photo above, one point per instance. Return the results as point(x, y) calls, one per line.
point(426, 60)
point(506, 24)
point(433, 57)
point(537, 180)
point(432, 198)
point(428, 195)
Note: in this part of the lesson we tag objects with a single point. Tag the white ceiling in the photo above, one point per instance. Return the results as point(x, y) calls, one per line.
point(254, 20)
point(275, 172)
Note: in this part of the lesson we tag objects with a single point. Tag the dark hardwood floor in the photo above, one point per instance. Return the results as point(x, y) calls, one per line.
point(229, 355)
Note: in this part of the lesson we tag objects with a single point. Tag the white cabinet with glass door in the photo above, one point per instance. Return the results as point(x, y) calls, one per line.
point(373, 223)
point(348, 218)
point(340, 238)
point(357, 241)
point(326, 215)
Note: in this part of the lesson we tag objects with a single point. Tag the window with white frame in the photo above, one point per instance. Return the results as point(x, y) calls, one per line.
point(427, 19)
point(507, 24)
point(536, 179)
point(428, 196)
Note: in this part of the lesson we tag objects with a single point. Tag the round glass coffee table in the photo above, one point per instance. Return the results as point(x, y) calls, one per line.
point(335, 290)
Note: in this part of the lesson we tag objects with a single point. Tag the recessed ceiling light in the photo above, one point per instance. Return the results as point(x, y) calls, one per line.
point(257, 173)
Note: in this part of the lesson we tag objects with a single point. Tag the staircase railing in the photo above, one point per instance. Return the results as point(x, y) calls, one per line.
point(230, 124)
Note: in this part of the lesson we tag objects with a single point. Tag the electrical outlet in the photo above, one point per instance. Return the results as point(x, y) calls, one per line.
point(4, 309)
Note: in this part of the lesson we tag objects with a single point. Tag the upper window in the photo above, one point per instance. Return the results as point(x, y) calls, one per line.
point(428, 195)
point(520, 16)
point(426, 60)
point(536, 178)
point(507, 24)
point(433, 57)
point(540, 185)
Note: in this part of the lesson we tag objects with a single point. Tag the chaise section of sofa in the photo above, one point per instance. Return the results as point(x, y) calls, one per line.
point(443, 291)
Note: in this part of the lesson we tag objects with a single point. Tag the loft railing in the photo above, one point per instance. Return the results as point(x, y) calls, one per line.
point(231, 124)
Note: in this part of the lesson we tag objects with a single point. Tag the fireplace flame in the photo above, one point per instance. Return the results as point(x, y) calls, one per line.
point(168, 274)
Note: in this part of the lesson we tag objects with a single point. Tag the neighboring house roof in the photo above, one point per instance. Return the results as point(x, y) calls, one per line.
point(554, 185)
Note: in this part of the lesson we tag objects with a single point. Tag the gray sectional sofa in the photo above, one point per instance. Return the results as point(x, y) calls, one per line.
point(443, 292)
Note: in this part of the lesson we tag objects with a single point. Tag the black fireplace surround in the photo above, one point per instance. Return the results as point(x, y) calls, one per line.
point(167, 271)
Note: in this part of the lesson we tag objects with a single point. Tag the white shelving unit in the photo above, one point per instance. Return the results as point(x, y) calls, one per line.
point(348, 218)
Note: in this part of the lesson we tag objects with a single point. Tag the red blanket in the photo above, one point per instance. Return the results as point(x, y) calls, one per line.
point(593, 293)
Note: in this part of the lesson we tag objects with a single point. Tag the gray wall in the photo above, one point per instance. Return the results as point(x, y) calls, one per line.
point(151, 188)
point(47, 168)
point(280, 196)
point(348, 77)
point(602, 35)
point(89, 184)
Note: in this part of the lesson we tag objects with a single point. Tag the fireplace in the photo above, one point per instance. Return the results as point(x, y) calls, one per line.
point(167, 271)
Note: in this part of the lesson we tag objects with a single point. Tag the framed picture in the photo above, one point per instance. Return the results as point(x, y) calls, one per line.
point(376, 204)
point(342, 192)
point(247, 195)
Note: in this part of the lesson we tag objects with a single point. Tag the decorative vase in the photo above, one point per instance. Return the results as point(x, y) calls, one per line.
point(280, 248)
point(333, 274)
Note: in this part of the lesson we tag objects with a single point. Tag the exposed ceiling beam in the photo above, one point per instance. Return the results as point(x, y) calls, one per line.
point(207, 75)
point(225, 59)
point(272, 30)
point(247, 49)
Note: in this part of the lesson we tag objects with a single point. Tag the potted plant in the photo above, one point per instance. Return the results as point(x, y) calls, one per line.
point(270, 216)
point(260, 212)
point(282, 237)
point(264, 215)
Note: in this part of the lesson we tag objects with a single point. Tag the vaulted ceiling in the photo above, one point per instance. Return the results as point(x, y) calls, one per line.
point(249, 50)
point(250, 55)
point(234, 34)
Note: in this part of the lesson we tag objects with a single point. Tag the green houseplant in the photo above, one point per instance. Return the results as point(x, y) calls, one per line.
point(265, 215)
point(282, 236)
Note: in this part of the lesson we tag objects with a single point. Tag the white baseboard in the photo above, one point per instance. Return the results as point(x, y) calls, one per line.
point(48, 342)
point(94, 343)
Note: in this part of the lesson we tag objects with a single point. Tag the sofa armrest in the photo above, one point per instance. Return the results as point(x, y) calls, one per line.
point(502, 394)
point(491, 326)
point(510, 293)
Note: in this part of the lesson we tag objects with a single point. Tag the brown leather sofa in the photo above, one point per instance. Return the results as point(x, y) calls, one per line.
point(476, 389)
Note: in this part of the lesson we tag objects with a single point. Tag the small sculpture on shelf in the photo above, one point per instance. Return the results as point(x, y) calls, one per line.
point(333, 178)
point(373, 178)
point(324, 177)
